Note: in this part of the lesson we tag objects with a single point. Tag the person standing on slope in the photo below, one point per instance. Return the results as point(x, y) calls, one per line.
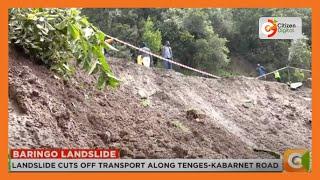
point(277, 76)
point(261, 70)
point(146, 59)
point(167, 53)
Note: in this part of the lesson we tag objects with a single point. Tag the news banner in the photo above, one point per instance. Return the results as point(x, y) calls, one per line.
point(94, 160)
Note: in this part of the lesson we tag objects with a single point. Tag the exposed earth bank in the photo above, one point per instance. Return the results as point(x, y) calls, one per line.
point(156, 113)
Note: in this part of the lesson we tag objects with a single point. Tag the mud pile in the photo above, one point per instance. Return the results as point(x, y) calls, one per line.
point(156, 113)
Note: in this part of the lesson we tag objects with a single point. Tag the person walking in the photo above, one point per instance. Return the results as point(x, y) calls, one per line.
point(167, 53)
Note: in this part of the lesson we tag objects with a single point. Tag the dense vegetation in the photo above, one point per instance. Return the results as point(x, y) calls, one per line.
point(200, 38)
point(55, 37)
point(207, 38)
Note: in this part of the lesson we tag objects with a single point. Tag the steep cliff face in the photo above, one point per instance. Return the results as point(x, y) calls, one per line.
point(155, 113)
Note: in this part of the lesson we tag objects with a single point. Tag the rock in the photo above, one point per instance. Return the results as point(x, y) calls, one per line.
point(123, 133)
point(248, 103)
point(35, 93)
point(139, 155)
point(28, 124)
point(149, 133)
point(32, 80)
point(138, 146)
point(271, 98)
point(115, 138)
point(142, 94)
point(105, 137)
point(180, 152)
point(124, 151)
point(200, 120)
point(277, 116)
point(294, 86)
point(279, 126)
point(193, 114)
point(115, 145)
point(102, 103)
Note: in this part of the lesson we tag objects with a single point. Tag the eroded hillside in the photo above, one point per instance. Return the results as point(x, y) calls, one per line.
point(155, 113)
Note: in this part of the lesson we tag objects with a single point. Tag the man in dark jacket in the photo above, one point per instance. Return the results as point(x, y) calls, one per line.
point(167, 53)
point(261, 70)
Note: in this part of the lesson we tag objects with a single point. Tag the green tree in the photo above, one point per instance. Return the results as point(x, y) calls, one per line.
point(300, 57)
point(151, 36)
point(300, 53)
point(207, 50)
point(202, 38)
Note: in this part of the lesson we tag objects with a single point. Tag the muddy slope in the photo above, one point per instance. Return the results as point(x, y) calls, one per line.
point(155, 113)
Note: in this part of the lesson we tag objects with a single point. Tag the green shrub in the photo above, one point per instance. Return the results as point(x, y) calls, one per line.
point(298, 76)
point(58, 36)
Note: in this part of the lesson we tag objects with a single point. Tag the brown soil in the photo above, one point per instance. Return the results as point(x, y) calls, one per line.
point(155, 113)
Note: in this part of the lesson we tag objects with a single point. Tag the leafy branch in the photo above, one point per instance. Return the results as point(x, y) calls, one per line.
point(58, 36)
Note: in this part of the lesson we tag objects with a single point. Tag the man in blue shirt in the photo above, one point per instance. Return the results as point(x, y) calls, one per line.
point(261, 70)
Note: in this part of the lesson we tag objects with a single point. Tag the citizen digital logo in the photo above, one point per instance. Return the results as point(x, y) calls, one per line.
point(297, 160)
point(280, 28)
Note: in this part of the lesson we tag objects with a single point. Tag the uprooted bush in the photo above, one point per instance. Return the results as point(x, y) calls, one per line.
point(57, 36)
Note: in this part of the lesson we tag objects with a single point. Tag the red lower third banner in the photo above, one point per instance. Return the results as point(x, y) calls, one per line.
point(64, 154)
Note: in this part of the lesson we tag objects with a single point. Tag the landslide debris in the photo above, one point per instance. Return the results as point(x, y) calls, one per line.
point(155, 113)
